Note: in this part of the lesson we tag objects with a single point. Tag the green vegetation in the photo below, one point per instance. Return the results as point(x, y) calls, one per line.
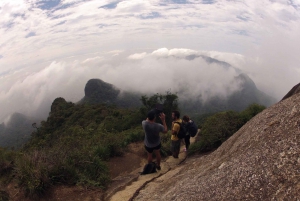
point(73, 145)
point(218, 127)
point(169, 102)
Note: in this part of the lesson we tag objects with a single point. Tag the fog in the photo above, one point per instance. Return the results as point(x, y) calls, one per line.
point(50, 49)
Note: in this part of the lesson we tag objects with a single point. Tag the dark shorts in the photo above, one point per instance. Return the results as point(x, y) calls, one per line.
point(150, 150)
point(175, 146)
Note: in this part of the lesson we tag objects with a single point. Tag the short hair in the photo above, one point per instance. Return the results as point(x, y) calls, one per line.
point(176, 113)
point(151, 114)
point(185, 118)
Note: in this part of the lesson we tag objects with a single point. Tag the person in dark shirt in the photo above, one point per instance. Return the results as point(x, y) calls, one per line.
point(187, 123)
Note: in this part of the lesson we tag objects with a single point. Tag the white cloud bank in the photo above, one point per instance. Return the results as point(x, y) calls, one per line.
point(47, 53)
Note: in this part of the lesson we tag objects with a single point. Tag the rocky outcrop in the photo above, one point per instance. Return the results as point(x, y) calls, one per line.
point(294, 90)
point(259, 162)
point(98, 91)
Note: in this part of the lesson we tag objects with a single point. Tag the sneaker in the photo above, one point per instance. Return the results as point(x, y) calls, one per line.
point(158, 167)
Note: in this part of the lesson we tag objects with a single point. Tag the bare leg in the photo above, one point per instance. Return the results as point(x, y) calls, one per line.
point(158, 157)
point(149, 157)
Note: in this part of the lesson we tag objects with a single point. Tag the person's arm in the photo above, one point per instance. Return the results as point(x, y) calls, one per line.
point(162, 116)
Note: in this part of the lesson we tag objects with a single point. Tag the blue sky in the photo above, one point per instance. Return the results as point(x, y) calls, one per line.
point(51, 48)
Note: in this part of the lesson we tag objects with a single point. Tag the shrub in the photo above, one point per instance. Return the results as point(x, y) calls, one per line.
point(6, 161)
point(166, 144)
point(251, 111)
point(197, 147)
point(133, 136)
point(93, 172)
point(32, 174)
point(216, 129)
point(102, 152)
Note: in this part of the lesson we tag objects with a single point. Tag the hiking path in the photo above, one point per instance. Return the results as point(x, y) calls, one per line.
point(127, 187)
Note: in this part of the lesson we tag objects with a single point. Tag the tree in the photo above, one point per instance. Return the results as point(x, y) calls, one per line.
point(251, 111)
point(168, 100)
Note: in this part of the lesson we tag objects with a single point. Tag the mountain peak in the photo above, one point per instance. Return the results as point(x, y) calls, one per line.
point(98, 91)
point(246, 80)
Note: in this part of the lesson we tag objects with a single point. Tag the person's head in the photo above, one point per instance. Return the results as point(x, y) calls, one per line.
point(186, 118)
point(175, 115)
point(151, 115)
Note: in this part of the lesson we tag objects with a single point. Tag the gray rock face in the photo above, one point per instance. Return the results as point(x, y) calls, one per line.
point(294, 90)
point(259, 162)
point(98, 91)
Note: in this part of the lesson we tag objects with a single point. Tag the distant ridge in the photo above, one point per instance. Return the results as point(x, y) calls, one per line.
point(238, 101)
point(99, 92)
point(17, 131)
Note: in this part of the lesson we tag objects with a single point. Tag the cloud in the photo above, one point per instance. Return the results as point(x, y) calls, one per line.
point(154, 40)
point(132, 6)
point(32, 92)
point(137, 56)
point(94, 60)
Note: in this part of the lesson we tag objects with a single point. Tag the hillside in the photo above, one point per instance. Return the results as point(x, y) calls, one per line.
point(259, 162)
point(72, 146)
point(99, 92)
point(17, 130)
point(247, 94)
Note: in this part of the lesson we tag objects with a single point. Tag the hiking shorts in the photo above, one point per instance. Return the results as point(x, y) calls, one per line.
point(150, 150)
point(175, 146)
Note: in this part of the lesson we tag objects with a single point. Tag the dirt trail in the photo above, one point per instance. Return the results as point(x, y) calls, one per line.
point(128, 186)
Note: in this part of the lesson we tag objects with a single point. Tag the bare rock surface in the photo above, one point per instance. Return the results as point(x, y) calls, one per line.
point(294, 90)
point(259, 162)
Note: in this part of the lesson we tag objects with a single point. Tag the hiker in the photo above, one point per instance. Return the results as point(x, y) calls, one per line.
point(186, 121)
point(188, 125)
point(175, 141)
point(152, 138)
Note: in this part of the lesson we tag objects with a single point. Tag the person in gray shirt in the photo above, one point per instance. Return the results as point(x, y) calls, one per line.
point(152, 138)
